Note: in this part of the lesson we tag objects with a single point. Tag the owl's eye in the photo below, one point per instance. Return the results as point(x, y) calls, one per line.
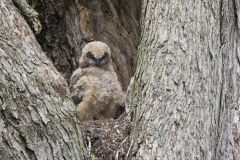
point(105, 55)
point(90, 56)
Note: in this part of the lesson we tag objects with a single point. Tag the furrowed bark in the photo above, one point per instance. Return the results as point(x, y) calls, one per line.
point(186, 94)
point(37, 117)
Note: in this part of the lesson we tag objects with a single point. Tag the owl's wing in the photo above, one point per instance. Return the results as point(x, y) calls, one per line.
point(77, 74)
point(77, 86)
point(120, 104)
point(78, 95)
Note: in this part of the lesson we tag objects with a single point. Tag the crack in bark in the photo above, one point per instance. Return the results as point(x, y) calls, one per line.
point(221, 21)
point(236, 15)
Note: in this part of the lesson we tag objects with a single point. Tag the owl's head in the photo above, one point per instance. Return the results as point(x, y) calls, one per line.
point(95, 54)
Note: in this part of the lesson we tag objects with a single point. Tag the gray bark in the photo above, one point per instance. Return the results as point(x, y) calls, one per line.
point(186, 94)
point(37, 117)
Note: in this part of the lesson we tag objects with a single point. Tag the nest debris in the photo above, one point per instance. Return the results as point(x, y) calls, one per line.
point(107, 139)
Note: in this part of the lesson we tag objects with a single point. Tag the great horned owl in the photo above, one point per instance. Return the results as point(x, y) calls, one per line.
point(94, 86)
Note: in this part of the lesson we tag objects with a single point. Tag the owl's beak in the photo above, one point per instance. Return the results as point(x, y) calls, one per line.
point(98, 62)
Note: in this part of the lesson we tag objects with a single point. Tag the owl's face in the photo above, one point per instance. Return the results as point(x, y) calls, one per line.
point(95, 54)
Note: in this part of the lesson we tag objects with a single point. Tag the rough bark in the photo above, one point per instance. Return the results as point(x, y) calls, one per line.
point(186, 92)
point(69, 25)
point(37, 117)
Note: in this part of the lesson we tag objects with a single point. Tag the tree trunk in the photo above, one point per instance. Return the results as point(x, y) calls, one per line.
point(37, 117)
point(186, 94)
point(69, 25)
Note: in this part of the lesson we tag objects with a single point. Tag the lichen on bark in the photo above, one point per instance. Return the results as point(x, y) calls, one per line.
point(37, 116)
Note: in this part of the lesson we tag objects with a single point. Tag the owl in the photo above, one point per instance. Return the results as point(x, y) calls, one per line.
point(94, 86)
